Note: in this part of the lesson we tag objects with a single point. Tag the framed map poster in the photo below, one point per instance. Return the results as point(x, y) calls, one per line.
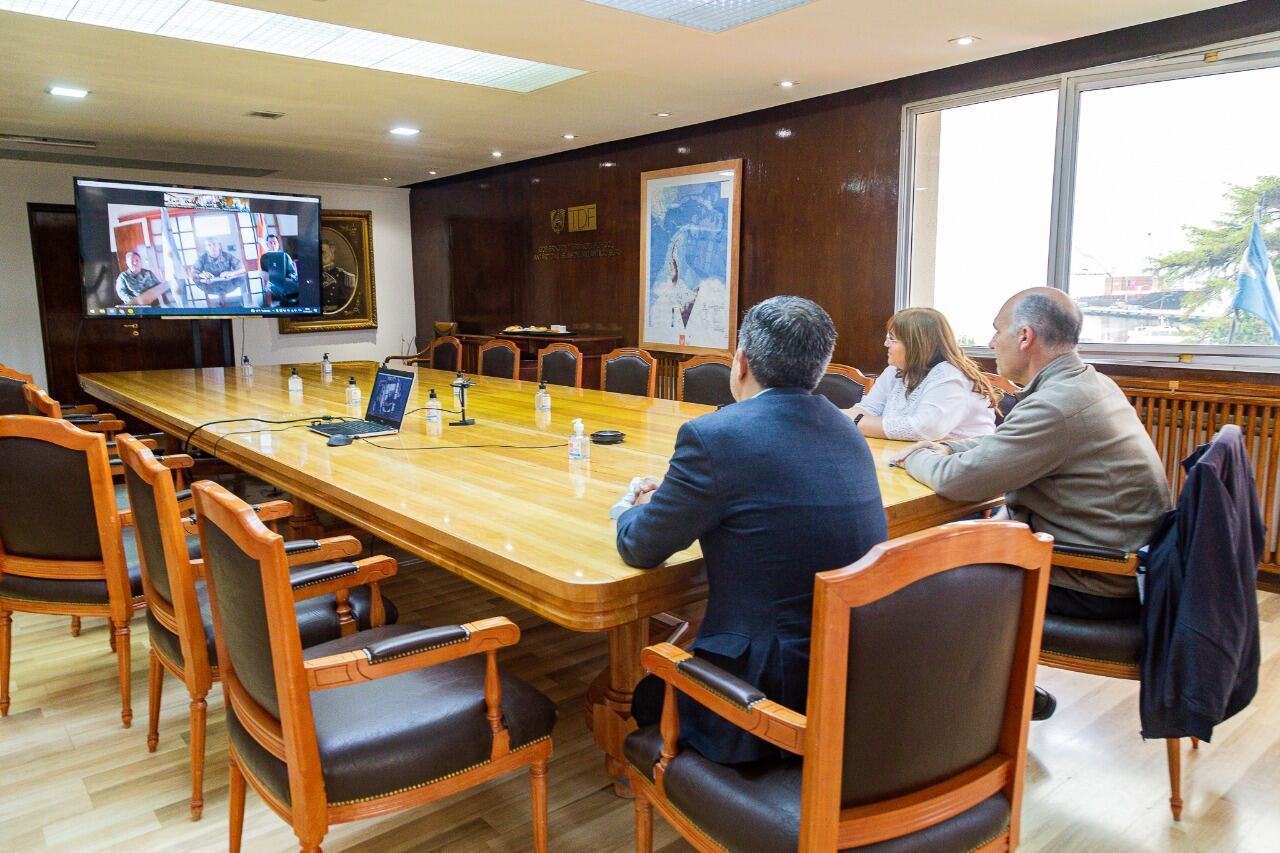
point(348, 298)
point(689, 224)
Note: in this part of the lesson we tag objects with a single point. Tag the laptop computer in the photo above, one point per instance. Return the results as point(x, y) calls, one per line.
point(387, 404)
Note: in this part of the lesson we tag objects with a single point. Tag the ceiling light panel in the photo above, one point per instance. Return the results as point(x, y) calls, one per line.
point(292, 36)
point(43, 8)
point(713, 16)
point(141, 16)
point(213, 23)
point(230, 25)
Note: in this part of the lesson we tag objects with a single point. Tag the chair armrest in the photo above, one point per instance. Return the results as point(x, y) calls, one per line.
point(99, 426)
point(82, 409)
point(126, 518)
point(303, 551)
point(326, 579)
point(406, 652)
point(175, 461)
point(728, 696)
point(1093, 558)
point(270, 511)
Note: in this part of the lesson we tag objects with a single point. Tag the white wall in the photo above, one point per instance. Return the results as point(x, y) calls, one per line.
point(21, 346)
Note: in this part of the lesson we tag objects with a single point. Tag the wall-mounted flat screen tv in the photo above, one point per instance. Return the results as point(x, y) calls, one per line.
point(150, 250)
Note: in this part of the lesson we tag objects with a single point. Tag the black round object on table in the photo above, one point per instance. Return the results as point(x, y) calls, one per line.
point(607, 436)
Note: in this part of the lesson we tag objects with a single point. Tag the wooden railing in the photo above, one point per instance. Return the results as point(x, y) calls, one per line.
point(1180, 415)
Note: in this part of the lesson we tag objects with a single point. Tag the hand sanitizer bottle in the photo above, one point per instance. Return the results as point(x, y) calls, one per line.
point(326, 367)
point(433, 408)
point(542, 400)
point(246, 369)
point(579, 444)
point(295, 382)
point(353, 393)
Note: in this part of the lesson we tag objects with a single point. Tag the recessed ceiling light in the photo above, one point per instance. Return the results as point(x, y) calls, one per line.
point(711, 16)
point(782, 132)
point(787, 84)
point(570, 136)
point(386, 179)
point(495, 153)
point(405, 131)
point(67, 92)
point(233, 25)
point(431, 172)
point(964, 41)
point(662, 115)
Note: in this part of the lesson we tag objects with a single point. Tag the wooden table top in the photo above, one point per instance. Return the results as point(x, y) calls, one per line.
point(527, 523)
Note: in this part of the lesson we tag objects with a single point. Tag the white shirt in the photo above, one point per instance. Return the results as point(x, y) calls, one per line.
point(944, 405)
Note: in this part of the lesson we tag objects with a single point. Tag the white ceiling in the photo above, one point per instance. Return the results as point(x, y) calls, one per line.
point(161, 99)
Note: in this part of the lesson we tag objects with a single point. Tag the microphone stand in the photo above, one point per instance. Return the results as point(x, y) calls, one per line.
point(461, 384)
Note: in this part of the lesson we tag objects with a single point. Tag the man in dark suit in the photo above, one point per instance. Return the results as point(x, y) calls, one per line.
point(776, 487)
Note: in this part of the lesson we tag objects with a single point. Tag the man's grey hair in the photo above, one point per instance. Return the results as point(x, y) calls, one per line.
point(132, 252)
point(1057, 326)
point(788, 341)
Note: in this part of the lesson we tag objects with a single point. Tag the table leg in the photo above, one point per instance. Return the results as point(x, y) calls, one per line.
point(304, 523)
point(609, 699)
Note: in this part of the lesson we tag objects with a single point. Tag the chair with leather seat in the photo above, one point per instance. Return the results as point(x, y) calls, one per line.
point(179, 621)
point(13, 402)
point(38, 402)
point(1108, 647)
point(920, 693)
point(1008, 394)
point(370, 723)
point(446, 354)
point(62, 550)
point(560, 364)
point(499, 358)
point(843, 385)
point(628, 370)
point(704, 379)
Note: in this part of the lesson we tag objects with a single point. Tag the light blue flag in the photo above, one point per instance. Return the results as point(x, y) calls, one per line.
point(1256, 289)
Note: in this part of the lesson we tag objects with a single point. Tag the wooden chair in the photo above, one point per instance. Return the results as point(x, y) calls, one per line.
point(179, 621)
point(446, 354)
point(1008, 398)
point(38, 402)
point(499, 358)
point(627, 370)
point(844, 386)
point(369, 724)
point(920, 692)
point(62, 549)
point(1107, 647)
point(560, 364)
point(704, 379)
point(444, 329)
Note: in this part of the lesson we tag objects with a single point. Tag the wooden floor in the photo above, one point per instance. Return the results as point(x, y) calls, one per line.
point(72, 779)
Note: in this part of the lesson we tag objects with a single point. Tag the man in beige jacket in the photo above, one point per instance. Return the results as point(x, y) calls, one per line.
point(1072, 458)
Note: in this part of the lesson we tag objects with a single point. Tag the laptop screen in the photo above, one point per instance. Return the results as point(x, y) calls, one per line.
point(389, 397)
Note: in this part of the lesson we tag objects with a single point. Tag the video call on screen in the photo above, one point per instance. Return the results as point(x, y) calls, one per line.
point(151, 250)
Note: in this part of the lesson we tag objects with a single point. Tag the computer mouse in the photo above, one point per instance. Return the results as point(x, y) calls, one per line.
point(338, 440)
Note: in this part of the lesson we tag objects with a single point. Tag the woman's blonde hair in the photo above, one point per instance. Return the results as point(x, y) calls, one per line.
point(927, 337)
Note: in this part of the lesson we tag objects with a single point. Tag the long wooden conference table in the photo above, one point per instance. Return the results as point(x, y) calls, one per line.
point(498, 503)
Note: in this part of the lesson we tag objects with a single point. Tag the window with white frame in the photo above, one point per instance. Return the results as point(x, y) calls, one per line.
point(1135, 188)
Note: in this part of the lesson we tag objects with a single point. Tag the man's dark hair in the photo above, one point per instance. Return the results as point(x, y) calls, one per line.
point(273, 236)
point(1058, 326)
point(132, 252)
point(788, 341)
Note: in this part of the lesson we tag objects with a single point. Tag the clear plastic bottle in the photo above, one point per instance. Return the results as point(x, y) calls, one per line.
point(295, 382)
point(542, 400)
point(353, 393)
point(579, 443)
point(246, 369)
point(433, 408)
point(326, 367)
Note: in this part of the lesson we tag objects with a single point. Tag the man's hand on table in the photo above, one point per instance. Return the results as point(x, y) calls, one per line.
point(645, 490)
point(935, 446)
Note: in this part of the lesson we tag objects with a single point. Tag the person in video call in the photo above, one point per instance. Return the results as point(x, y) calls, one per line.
point(281, 272)
point(1072, 458)
point(337, 286)
point(135, 281)
point(220, 273)
point(777, 487)
point(931, 389)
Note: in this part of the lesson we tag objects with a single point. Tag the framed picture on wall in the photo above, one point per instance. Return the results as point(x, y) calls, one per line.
point(689, 225)
point(347, 294)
